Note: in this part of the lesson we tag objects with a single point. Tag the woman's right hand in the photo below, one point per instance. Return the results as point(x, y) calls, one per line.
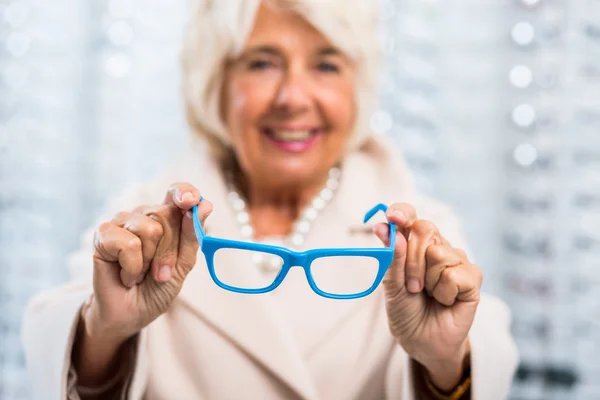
point(141, 259)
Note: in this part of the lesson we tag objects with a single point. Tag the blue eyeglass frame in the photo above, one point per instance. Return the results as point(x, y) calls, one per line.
point(209, 246)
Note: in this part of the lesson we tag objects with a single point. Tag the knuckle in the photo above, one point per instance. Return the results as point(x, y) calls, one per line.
point(436, 251)
point(133, 244)
point(448, 276)
point(153, 230)
point(104, 240)
point(424, 227)
point(103, 229)
point(105, 226)
point(461, 253)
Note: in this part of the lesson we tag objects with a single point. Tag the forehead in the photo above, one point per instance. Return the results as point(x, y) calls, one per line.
point(284, 29)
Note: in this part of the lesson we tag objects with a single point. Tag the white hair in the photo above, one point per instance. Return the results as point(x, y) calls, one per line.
point(219, 29)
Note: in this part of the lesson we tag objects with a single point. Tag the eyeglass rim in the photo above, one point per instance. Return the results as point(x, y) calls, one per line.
point(210, 245)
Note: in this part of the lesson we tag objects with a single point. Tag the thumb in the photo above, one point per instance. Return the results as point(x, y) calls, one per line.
point(188, 242)
point(395, 275)
point(165, 257)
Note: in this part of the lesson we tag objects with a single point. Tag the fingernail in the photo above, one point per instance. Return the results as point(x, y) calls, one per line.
point(186, 196)
point(164, 273)
point(413, 285)
point(188, 214)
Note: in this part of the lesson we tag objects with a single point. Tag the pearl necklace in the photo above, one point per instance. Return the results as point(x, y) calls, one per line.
point(301, 226)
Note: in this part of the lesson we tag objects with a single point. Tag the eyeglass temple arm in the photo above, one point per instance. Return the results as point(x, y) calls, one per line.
point(197, 225)
point(375, 210)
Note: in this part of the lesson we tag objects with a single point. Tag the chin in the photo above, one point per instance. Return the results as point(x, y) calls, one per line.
point(288, 172)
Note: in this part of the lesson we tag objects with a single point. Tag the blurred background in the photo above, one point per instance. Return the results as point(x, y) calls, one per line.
point(494, 102)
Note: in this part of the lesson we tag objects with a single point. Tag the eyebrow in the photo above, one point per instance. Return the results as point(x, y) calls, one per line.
point(325, 51)
point(264, 49)
point(329, 51)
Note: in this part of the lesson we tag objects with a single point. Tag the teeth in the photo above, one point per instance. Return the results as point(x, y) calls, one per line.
point(291, 136)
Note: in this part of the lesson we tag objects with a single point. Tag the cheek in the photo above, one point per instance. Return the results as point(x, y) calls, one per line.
point(339, 105)
point(237, 103)
point(246, 101)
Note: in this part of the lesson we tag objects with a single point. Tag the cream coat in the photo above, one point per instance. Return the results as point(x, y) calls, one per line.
point(288, 344)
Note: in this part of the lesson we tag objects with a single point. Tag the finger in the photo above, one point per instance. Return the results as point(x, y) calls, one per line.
point(165, 257)
point(402, 214)
point(394, 277)
point(115, 244)
point(423, 234)
point(382, 231)
point(462, 254)
point(143, 209)
point(460, 283)
point(147, 229)
point(439, 257)
point(183, 195)
point(188, 242)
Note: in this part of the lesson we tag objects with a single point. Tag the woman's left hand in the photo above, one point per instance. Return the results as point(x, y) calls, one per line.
point(432, 292)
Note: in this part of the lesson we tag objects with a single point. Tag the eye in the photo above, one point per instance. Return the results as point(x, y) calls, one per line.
point(328, 67)
point(257, 65)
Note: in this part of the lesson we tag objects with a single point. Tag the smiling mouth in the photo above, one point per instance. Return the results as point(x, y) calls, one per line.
point(291, 136)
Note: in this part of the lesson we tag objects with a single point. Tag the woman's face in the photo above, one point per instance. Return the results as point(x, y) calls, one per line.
point(288, 102)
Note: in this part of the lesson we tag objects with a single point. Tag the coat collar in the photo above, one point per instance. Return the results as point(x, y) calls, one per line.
point(255, 323)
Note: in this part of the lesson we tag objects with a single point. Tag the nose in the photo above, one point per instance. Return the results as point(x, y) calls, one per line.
point(293, 93)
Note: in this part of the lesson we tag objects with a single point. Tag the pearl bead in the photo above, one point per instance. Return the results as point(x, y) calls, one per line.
point(335, 173)
point(303, 226)
point(332, 184)
point(326, 194)
point(239, 205)
point(233, 196)
point(318, 203)
point(310, 214)
point(297, 239)
point(243, 217)
point(247, 231)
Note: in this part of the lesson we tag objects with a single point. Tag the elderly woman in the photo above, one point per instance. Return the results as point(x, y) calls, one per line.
point(279, 91)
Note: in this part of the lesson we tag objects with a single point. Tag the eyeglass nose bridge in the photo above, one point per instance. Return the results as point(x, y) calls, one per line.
point(298, 259)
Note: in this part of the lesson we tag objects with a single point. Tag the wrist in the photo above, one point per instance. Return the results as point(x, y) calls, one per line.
point(97, 351)
point(102, 333)
point(447, 374)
